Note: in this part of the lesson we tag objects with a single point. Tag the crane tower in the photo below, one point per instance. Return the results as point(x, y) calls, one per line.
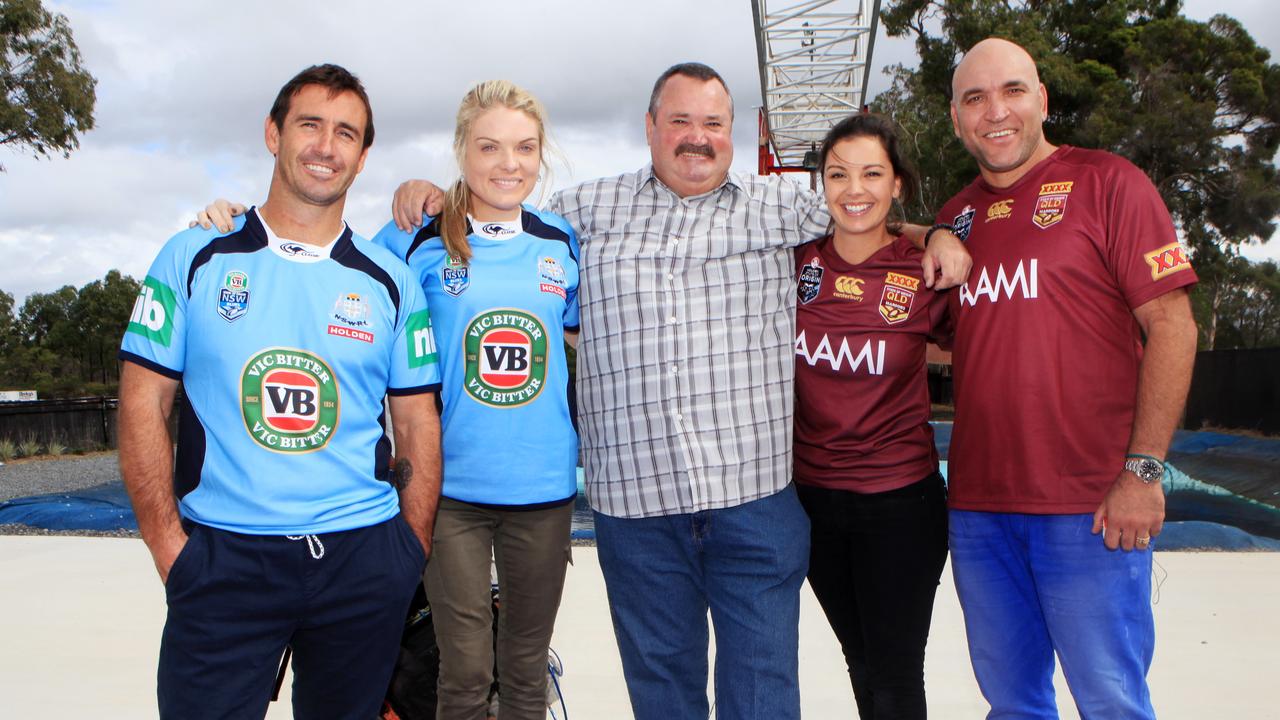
point(815, 58)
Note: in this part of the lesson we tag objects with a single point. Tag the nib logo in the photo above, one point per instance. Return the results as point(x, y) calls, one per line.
point(153, 312)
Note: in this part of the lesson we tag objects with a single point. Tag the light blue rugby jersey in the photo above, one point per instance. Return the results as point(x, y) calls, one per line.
point(507, 434)
point(285, 356)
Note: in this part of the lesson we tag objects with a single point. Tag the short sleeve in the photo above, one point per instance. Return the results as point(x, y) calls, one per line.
point(156, 335)
point(942, 327)
point(415, 363)
point(393, 239)
point(1143, 252)
point(571, 320)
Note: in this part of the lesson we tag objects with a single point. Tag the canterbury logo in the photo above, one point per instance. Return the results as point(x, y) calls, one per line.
point(846, 285)
point(999, 210)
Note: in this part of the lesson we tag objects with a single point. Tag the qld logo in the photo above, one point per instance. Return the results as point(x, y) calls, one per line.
point(289, 400)
point(506, 357)
point(896, 298)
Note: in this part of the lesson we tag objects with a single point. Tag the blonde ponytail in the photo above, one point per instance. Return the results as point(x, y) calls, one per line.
point(453, 222)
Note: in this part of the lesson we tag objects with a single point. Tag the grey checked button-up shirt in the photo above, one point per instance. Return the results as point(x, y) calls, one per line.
point(685, 362)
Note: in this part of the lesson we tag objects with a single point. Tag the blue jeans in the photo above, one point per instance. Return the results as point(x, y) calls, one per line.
point(1033, 585)
point(746, 565)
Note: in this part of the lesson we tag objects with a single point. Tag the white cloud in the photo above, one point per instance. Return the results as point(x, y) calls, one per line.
point(184, 87)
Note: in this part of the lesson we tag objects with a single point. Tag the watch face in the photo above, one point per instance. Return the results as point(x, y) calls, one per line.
point(1150, 470)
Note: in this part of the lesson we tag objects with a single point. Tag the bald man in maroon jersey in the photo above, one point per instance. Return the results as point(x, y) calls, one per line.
point(1063, 413)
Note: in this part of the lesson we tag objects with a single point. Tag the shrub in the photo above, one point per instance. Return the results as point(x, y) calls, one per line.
point(8, 450)
point(56, 447)
point(28, 447)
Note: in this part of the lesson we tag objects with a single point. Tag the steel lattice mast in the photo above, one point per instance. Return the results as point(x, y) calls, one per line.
point(815, 58)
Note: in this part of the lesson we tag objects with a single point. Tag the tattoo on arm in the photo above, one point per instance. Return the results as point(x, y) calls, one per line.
point(404, 473)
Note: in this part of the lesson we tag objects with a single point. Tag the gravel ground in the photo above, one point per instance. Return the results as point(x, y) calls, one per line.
point(64, 474)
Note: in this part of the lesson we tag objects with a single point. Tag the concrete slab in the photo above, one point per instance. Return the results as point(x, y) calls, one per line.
point(82, 619)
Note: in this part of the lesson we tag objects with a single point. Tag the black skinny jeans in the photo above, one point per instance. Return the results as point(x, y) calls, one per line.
point(874, 564)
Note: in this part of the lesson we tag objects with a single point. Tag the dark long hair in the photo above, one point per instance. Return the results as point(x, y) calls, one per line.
point(881, 128)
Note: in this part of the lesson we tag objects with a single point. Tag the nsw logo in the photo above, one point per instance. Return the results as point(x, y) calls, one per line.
point(551, 277)
point(289, 400)
point(351, 318)
point(455, 276)
point(506, 357)
point(233, 297)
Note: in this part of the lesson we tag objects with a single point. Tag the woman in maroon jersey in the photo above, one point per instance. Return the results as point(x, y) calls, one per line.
point(865, 464)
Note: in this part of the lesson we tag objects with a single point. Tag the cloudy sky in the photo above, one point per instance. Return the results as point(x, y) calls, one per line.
point(183, 89)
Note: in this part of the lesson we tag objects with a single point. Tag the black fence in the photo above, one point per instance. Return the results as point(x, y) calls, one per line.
point(1236, 389)
point(79, 424)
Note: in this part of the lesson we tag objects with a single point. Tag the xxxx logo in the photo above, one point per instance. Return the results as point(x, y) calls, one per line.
point(289, 400)
point(1051, 205)
point(895, 301)
point(506, 357)
point(1169, 259)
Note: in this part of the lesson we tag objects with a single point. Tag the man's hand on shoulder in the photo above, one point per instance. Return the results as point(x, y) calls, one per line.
point(412, 199)
point(221, 213)
point(946, 261)
point(1131, 514)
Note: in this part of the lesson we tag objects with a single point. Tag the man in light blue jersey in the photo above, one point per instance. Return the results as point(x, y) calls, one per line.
point(280, 524)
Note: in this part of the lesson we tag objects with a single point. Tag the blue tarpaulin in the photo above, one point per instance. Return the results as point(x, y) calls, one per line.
point(1223, 492)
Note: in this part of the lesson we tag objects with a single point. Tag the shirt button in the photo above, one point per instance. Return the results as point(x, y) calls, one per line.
point(671, 276)
point(674, 369)
point(671, 320)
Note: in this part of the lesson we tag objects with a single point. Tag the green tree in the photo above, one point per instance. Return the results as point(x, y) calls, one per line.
point(8, 325)
point(1248, 314)
point(46, 95)
point(1196, 105)
point(99, 314)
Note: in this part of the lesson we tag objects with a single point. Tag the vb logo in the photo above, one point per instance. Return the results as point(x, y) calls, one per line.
point(289, 400)
point(506, 357)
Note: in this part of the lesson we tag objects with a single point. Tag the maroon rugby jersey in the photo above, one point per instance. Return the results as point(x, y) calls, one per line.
point(1046, 346)
point(862, 401)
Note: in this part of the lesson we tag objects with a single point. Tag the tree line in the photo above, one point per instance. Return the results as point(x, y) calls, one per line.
point(63, 343)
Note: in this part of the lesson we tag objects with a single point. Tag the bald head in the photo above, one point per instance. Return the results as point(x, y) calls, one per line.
point(998, 109)
point(993, 54)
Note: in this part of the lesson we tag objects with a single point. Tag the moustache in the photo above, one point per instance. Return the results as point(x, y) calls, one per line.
point(704, 150)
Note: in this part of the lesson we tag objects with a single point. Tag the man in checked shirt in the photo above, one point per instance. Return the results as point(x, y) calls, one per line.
point(685, 366)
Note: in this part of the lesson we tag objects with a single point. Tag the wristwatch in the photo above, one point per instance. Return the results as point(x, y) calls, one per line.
point(1147, 468)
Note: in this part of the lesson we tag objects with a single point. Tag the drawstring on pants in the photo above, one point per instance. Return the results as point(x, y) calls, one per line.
point(313, 544)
